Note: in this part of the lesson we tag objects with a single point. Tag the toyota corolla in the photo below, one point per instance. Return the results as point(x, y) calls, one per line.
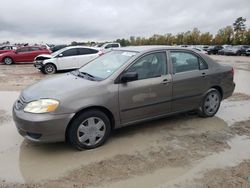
point(123, 87)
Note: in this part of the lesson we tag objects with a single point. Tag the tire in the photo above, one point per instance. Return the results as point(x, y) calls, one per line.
point(210, 103)
point(49, 68)
point(238, 54)
point(89, 130)
point(7, 61)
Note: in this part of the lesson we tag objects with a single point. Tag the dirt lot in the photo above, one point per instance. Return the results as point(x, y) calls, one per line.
point(181, 151)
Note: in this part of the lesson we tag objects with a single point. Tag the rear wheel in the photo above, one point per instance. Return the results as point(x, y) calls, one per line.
point(89, 130)
point(49, 69)
point(8, 61)
point(210, 104)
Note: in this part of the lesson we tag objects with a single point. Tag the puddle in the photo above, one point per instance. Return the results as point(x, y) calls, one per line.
point(242, 79)
point(170, 177)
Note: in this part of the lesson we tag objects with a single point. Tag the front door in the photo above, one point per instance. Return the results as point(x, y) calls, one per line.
point(68, 59)
point(151, 94)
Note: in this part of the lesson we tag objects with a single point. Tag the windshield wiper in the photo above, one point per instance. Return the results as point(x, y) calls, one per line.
point(84, 75)
point(87, 74)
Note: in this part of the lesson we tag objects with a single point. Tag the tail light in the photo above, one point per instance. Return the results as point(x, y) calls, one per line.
point(100, 53)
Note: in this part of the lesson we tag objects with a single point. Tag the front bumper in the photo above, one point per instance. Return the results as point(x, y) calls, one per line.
point(41, 127)
point(38, 64)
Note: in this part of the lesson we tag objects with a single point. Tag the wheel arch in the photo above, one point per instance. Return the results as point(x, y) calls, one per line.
point(51, 63)
point(218, 88)
point(100, 108)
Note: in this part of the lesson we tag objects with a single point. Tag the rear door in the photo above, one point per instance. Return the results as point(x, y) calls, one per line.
point(189, 80)
point(68, 60)
point(86, 55)
point(150, 95)
point(33, 52)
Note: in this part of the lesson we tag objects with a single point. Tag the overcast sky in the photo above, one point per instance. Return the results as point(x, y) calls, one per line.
point(63, 21)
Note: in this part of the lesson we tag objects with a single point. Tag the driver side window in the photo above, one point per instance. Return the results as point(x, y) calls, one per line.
point(150, 66)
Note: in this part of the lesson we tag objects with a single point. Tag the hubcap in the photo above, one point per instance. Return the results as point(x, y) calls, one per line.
point(49, 68)
point(8, 61)
point(212, 103)
point(91, 131)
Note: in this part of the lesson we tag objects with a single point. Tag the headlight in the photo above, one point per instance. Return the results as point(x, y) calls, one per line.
point(42, 106)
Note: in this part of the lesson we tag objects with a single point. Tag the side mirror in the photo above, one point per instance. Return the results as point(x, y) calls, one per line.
point(129, 76)
point(60, 55)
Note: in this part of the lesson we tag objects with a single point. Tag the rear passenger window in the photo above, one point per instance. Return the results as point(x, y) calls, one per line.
point(115, 45)
point(34, 49)
point(85, 51)
point(184, 61)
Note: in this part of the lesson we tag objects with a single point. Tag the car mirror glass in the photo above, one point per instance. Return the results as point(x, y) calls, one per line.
point(129, 76)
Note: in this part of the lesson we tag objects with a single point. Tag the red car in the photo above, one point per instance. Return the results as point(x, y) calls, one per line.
point(7, 48)
point(23, 54)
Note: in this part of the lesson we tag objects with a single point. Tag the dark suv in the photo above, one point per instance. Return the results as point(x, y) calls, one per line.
point(214, 49)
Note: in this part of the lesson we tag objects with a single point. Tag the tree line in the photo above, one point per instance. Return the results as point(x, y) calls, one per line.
point(236, 34)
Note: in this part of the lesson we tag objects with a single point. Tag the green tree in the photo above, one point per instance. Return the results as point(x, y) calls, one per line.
point(239, 29)
point(206, 38)
point(224, 36)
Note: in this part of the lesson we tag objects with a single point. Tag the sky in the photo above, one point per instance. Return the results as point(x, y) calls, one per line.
point(64, 21)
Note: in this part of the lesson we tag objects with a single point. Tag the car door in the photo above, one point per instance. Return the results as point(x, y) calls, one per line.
point(68, 59)
point(33, 52)
point(22, 54)
point(189, 80)
point(150, 95)
point(86, 55)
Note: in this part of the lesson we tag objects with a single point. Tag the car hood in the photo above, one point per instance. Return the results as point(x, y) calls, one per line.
point(58, 87)
point(7, 53)
point(43, 57)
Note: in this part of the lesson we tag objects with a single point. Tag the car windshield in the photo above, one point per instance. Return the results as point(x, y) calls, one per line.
point(107, 64)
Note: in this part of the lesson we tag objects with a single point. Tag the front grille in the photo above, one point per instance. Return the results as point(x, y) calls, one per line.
point(20, 104)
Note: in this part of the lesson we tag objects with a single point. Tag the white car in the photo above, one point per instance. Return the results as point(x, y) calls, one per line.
point(72, 57)
point(108, 46)
point(200, 50)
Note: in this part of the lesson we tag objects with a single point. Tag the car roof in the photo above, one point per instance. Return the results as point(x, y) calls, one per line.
point(152, 47)
point(71, 47)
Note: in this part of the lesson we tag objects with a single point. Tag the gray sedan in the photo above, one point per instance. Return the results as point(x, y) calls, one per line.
point(122, 87)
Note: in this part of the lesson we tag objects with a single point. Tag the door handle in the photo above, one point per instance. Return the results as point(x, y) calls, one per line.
point(203, 74)
point(165, 81)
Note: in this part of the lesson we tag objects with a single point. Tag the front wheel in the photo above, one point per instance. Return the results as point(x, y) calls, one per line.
point(89, 130)
point(8, 61)
point(210, 104)
point(49, 69)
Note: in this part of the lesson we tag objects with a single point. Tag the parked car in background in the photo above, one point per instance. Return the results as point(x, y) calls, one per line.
point(72, 57)
point(57, 47)
point(247, 51)
point(205, 48)
point(109, 45)
point(22, 54)
point(214, 49)
point(224, 49)
point(234, 50)
point(200, 50)
point(7, 48)
point(122, 87)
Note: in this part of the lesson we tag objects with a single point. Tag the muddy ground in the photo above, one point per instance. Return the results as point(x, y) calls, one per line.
point(181, 151)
